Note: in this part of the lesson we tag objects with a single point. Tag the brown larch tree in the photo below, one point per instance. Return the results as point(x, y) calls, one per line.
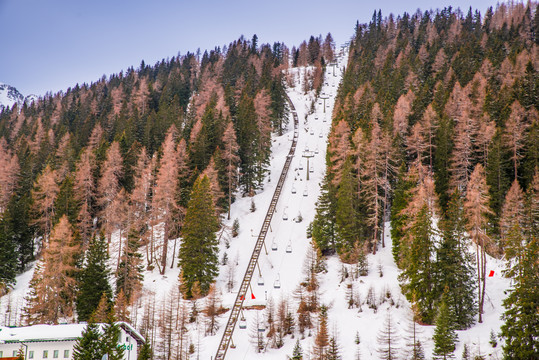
point(515, 133)
point(262, 103)
point(109, 185)
point(512, 219)
point(338, 149)
point(462, 157)
point(84, 192)
point(415, 142)
point(403, 108)
point(321, 341)
point(9, 175)
point(430, 124)
point(360, 144)
point(119, 219)
point(372, 182)
point(166, 185)
point(54, 286)
point(487, 130)
point(217, 193)
point(140, 202)
point(231, 160)
point(44, 196)
point(477, 211)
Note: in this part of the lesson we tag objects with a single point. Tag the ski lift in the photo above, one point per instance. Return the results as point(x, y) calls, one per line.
point(305, 192)
point(324, 120)
point(316, 151)
point(320, 135)
point(243, 323)
point(316, 117)
point(260, 281)
point(300, 165)
point(289, 247)
point(277, 282)
point(274, 245)
point(312, 131)
point(285, 215)
point(293, 189)
point(311, 170)
point(261, 327)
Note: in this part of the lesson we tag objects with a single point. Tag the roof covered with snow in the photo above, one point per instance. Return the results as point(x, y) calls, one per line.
point(41, 332)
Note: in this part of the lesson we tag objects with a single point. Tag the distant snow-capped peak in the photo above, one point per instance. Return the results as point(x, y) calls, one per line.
point(9, 95)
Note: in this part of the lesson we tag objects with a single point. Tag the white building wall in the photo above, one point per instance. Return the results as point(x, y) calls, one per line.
point(38, 349)
point(127, 342)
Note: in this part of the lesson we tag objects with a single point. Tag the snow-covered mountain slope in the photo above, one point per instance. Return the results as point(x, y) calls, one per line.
point(376, 295)
point(10, 95)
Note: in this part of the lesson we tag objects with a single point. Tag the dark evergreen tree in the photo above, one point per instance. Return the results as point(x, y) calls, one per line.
point(8, 257)
point(323, 225)
point(418, 278)
point(110, 339)
point(129, 274)
point(93, 278)
point(445, 337)
point(399, 219)
point(297, 353)
point(198, 251)
point(345, 212)
point(145, 352)
point(454, 268)
point(88, 347)
point(333, 350)
point(521, 327)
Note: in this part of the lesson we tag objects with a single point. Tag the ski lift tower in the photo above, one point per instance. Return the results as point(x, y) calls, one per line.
point(307, 154)
point(324, 97)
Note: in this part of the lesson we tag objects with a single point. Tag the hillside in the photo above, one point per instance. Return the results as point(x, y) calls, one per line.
point(410, 233)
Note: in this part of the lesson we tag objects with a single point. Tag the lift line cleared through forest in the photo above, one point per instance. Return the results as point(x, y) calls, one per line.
point(238, 304)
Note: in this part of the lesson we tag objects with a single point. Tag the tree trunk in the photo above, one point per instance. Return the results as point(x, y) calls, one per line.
point(165, 249)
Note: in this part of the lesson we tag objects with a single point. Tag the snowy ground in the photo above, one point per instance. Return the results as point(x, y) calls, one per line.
point(287, 267)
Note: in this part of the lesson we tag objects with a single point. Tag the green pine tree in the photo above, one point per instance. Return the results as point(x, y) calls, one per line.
point(454, 266)
point(110, 339)
point(445, 337)
point(297, 353)
point(93, 278)
point(521, 327)
point(8, 257)
point(323, 225)
point(129, 275)
point(88, 347)
point(146, 351)
point(345, 211)
point(401, 199)
point(418, 278)
point(333, 350)
point(198, 251)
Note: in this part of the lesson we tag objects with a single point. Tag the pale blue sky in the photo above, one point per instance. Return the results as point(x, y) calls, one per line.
point(50, 45)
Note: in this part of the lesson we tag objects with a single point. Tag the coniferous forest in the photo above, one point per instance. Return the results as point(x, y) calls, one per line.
point(435, 130)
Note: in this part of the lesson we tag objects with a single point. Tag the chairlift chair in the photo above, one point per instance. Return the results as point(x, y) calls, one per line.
point(274, 245)
point(305, 193)
point(277, 282)
point(293, 189)
point(289, 247)
point(260, 281)
point(243, 323)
